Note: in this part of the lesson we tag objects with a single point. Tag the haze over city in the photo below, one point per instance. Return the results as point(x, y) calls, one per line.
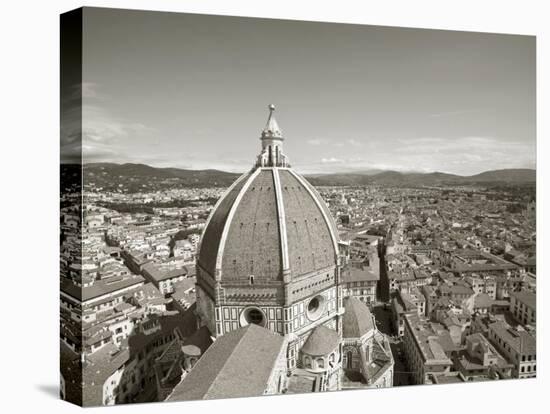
point(348, 97)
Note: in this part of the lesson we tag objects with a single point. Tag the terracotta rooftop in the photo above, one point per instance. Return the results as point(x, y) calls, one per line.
point(238, 364)
point(357, 320)
point(99, 288)
point(526, 297)
point(322, 341)
point(518, 340)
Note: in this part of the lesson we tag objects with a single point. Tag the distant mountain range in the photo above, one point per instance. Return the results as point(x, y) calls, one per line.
point(110, 173)
point(508, 176)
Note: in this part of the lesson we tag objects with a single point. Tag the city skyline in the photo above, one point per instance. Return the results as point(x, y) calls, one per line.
point(348, 97)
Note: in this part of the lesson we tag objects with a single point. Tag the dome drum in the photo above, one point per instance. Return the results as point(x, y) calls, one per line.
point(321, 351)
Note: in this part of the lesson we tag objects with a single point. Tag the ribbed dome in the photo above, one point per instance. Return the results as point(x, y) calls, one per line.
point(271, 220)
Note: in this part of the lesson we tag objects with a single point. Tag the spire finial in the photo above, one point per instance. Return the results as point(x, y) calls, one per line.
point(272, 130)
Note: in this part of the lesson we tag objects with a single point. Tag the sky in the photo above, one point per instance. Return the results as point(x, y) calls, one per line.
point(191, 91)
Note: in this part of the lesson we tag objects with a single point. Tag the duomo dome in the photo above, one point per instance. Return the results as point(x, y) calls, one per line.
point(269, 252)
point(269, 293)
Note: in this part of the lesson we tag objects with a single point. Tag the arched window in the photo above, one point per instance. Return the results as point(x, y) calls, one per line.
point(307, 362)
point(251, 279)
point(320, 363)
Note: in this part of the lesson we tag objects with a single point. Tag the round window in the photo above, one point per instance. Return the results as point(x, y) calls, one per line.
point(253, 315)
point(313, 305)
point(316, 307)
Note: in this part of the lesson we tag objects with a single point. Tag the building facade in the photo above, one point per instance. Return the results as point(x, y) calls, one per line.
point(524, 307)
point(518, 346)
point(424, 354)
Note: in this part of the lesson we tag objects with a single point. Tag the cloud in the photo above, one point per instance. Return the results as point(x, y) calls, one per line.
point(99, 125)
point(338, 143)
point(315, 141)
point(89, 90)
point(457, 112)
point(94, 152)
point(462, 155)
point(471, 147)
point(91, 130)
point(354, 143)
point(81, 91)
point(331, 160)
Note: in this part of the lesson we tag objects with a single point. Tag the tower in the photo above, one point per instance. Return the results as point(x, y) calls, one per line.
point(269, 256)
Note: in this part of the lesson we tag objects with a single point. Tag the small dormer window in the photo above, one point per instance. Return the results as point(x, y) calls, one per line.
point(251, 279)
point(320, 363)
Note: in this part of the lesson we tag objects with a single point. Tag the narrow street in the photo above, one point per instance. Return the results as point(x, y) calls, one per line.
point(383, 317)
point(400, 373)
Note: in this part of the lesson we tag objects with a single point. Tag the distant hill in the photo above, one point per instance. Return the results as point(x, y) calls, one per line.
point(510, 175)
point(411, 178)
point(126, 170)
point(140, 176)
point(351, 175)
